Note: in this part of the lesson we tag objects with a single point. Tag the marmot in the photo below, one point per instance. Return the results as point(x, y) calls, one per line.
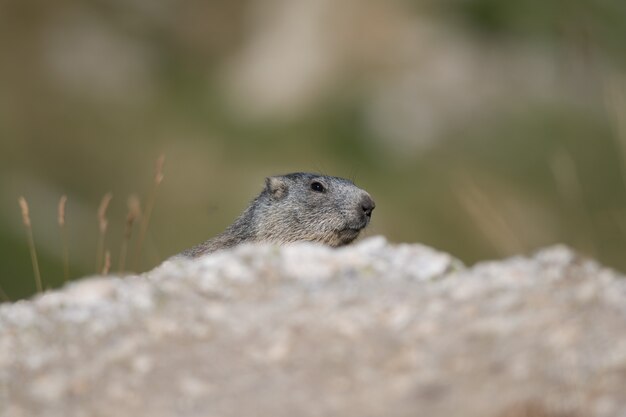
point(298, 207)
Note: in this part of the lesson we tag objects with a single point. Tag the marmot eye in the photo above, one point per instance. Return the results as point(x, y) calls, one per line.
point(317, 186)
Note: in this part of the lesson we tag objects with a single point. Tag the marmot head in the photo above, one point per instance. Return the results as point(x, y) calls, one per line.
point(312, 207)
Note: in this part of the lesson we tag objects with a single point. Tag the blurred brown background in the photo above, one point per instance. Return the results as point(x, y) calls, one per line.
point(481, 127)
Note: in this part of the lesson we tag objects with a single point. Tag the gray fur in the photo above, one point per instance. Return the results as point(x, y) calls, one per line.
point(289, 210)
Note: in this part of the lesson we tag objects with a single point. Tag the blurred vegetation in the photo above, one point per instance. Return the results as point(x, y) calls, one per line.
point(516, 140)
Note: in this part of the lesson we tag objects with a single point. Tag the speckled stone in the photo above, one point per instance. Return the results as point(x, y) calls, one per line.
point(372, 329)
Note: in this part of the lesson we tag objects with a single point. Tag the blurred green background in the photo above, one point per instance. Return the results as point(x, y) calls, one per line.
point(481, 127)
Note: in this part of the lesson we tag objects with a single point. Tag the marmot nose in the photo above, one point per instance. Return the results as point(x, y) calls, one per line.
point(367, 204)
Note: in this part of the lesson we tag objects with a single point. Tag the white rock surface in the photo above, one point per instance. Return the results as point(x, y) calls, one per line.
point(372, 329)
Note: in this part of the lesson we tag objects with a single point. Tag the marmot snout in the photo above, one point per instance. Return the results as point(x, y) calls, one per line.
point(298, 207)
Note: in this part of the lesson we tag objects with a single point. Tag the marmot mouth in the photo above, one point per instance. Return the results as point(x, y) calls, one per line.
point(351, 232)
point(360, 225)
point(347, 235)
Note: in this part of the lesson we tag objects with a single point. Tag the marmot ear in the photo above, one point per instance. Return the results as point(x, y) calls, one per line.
point(276, 187)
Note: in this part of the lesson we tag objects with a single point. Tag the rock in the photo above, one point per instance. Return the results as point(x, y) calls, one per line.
point(372, 329)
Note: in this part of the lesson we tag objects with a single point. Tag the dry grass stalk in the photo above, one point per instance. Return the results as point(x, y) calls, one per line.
point(565, 174)
point(107, 263)
point(615, 102)
point(31, 242)
point(134, 213)
point(102, 228)
point(569, 186)
point(63, 229)
point(158, 178)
